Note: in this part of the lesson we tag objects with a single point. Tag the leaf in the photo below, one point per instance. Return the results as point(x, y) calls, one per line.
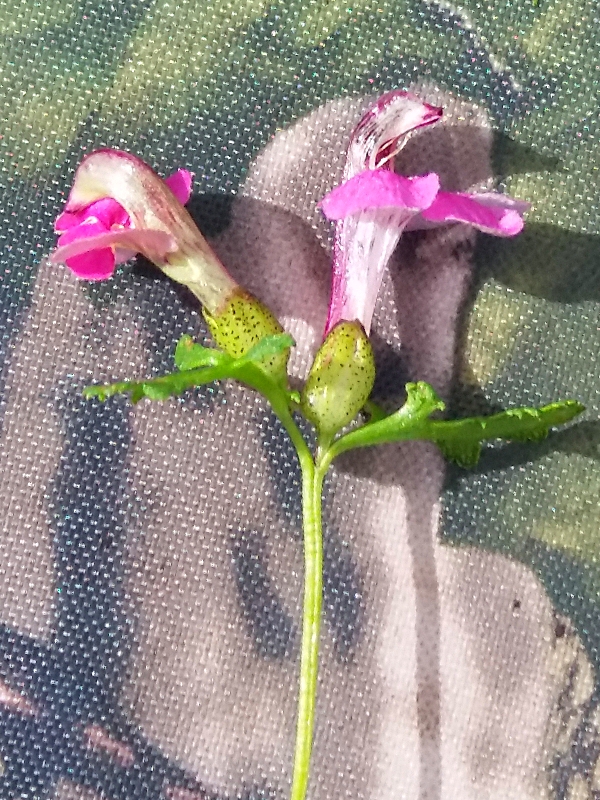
point(464, 453)
point(104, 392)
point(158, 388)
point(406, 423)
point(189, 355)
point(459, 440)
point(159, 391)
point(198, 365)
point(421, 402)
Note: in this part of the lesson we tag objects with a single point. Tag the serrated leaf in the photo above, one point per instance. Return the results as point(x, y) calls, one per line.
point(421, 402)
point(158, 391)
point(406, 423)
point(464, 453)
point(209, 365)
point(137, 394)
point(190, 355)
point(200, 365)
point(459, 440)
point(102, 393)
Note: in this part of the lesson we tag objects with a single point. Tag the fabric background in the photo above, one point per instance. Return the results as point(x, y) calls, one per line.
point(151, 557)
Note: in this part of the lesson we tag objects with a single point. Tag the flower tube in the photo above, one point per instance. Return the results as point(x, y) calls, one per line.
point(373, 205)
point(119, 206)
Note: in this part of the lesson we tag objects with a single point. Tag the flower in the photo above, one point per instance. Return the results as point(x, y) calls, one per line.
point(374, 205)
point(98, 219)
point(118, 206)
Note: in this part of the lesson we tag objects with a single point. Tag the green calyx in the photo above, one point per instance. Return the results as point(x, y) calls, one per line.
point(242, 323)
point(340, 380)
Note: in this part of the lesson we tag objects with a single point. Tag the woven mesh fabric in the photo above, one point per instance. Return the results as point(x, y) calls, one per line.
point(151, 556)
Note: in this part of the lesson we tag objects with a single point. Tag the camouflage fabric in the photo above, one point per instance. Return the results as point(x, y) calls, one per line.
point(151, 556)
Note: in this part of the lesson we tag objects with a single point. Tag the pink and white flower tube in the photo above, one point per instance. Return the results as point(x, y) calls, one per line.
point(104, 229)
point(118, 206)
point(374, 205)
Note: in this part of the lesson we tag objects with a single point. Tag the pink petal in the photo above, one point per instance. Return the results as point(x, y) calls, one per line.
point(155, 245)
point(181, 185)
point(496, 214)
point(96, 265)
point(499, 200)
point(99, 217)
point(380, 189)
point(385, 128)
point(85, 230)
point(364, 244)
point(66, 220)
point(107, 211)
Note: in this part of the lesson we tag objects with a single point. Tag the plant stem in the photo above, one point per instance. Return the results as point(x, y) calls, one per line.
point(312, 486)
point(312, 490)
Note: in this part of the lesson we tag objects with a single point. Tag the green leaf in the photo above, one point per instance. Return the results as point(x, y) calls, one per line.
point(465, 453)
point(189, 355)
point(406, 423)
point(459, 440)
point(137, 393)
point(198, 365)
point(421, 402)
point(161, 388)
point(104, 392)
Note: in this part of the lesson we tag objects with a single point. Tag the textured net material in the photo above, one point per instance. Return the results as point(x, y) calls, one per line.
point(151, 557)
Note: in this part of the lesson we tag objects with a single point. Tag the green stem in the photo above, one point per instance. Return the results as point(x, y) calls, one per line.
point(312, 486)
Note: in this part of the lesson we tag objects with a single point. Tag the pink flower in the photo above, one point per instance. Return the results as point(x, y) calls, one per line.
point(118, 206)
point(92, 222)
point(373, 205)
